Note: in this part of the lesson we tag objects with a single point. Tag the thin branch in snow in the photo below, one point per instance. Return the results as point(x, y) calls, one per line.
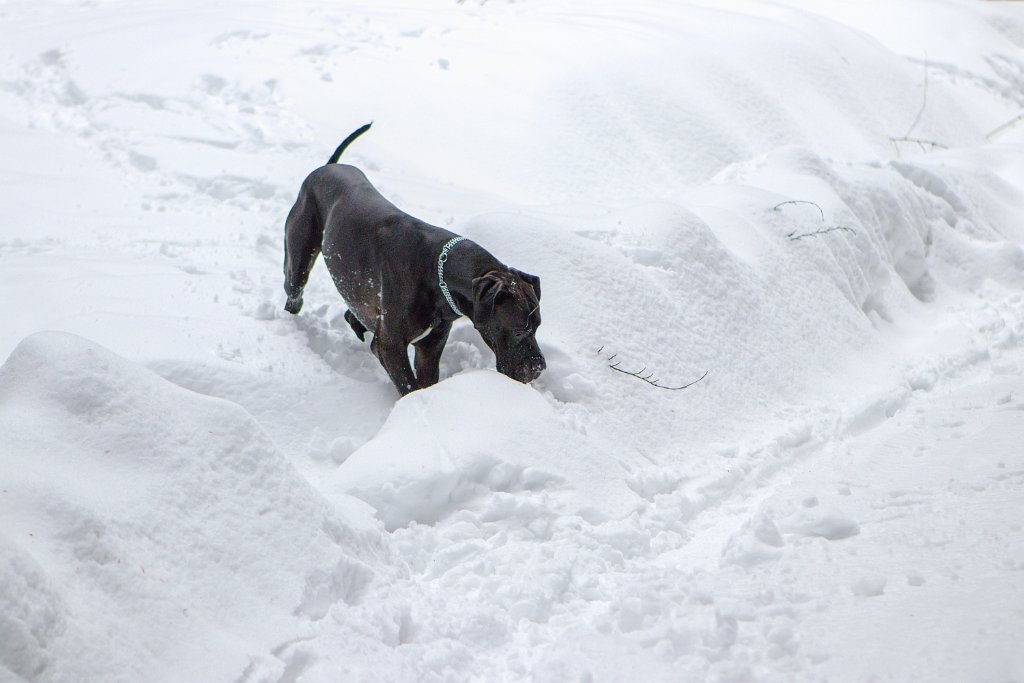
point(655, 382)
point(925, 145)
point(924, 101)
point(793, 236)
point(823, 231)
point(645, 375)
point(1009, 124)
point(801, 201)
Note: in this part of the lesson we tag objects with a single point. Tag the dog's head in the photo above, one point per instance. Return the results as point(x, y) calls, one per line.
point(506, 312)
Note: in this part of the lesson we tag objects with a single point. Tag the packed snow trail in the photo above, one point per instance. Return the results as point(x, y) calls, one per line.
point(197, 486)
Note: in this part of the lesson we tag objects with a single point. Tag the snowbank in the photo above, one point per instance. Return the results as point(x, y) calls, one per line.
point(138, 516)
point(477, 433)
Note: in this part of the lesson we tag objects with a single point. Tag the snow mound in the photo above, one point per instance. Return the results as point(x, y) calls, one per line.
point(476, 433)
point(146, 526)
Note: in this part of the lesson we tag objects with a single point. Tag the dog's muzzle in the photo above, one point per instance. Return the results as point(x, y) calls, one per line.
point(537, 366)
point(525, 372)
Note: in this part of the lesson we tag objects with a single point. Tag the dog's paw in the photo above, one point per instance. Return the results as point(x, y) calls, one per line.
point(293, 305)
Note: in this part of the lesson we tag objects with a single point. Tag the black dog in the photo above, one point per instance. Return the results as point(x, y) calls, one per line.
point(406, 280)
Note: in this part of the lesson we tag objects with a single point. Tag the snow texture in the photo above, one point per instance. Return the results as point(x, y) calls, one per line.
point(818, 203)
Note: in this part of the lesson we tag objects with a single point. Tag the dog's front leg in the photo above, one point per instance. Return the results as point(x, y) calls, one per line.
point(428, 354)
point(394, 356)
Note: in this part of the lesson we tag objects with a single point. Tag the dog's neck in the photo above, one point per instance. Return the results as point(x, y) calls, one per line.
point(466, 261)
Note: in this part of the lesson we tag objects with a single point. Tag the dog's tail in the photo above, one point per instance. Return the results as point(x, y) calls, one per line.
point(348, 141)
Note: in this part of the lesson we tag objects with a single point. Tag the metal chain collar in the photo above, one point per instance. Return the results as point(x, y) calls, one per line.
point(440, 272)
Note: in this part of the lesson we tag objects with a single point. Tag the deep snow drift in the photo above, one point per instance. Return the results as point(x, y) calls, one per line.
point(817, 203)
point(148, 500)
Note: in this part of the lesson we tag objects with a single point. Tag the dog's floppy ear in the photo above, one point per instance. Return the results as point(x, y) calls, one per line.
point(531, 280)
point(488, 286)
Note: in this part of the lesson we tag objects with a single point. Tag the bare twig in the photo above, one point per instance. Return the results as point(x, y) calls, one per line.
point(793, 236)
point(924, 101)
point(999, 129)
point(645, 375)
point(655, 382)
point(922, 143)
point(801, 201)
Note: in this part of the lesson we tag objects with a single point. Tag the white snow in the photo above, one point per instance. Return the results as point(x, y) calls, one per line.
point(815, 201)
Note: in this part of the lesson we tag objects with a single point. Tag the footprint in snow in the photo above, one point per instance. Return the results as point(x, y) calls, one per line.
point(869, 586)
point(833, 526)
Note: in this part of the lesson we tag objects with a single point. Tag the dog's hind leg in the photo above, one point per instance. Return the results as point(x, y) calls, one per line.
point(303, 236)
